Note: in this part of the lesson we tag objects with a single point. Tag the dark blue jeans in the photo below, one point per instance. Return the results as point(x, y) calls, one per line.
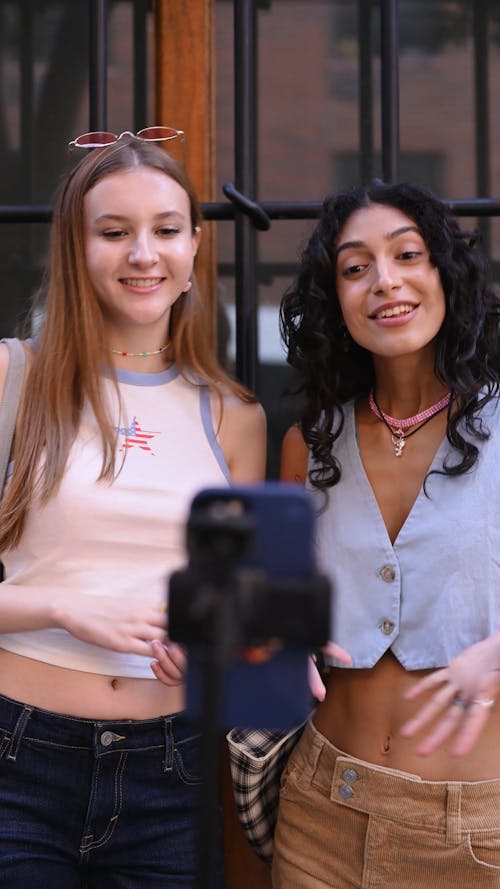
point(89, 804)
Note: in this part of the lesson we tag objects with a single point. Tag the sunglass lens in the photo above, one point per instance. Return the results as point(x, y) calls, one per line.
point(153, 133)
point(95, 140)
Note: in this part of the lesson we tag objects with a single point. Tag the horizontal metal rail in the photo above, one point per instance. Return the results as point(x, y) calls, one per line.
point(221, 211)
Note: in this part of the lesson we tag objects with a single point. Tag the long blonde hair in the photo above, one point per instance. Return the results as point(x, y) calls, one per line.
point(64, 373)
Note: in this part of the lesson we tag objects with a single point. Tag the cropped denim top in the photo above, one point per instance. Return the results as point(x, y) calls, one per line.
point(436, 590)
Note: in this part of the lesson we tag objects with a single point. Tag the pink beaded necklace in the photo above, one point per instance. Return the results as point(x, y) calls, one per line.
point(397, 427)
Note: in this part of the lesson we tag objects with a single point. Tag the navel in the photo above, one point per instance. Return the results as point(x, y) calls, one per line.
point(387, 745)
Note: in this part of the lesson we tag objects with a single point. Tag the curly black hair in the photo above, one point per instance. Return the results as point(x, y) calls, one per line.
point(468, 343)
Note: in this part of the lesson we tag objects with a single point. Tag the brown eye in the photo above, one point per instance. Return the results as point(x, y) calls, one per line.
point(352, 270)
point(112, 234)
point(409, 254)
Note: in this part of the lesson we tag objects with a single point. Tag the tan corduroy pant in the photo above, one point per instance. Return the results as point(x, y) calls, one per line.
point(345, 824)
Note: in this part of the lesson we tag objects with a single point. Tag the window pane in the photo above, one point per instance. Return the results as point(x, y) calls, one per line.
point(44, 102)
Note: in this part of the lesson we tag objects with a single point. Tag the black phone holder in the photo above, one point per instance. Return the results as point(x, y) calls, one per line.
point(295, 611)
point(222, 603)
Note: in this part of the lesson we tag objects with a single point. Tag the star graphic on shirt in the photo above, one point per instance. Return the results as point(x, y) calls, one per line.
point(136, 437)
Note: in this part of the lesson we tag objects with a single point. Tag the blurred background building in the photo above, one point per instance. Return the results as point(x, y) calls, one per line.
point(283, 99)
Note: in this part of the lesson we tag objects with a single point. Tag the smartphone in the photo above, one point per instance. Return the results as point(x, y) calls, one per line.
point(251, 553)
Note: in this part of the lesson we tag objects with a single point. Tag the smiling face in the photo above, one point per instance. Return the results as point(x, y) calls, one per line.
point(140, 249)
point(390, 294)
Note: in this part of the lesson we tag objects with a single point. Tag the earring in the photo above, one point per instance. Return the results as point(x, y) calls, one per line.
point(188, 286)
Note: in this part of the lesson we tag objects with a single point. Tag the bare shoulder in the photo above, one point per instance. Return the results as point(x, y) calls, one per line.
point(251, 413)
point(4, 363)
point(4, 367)
point(294, 456)
point(242, 436)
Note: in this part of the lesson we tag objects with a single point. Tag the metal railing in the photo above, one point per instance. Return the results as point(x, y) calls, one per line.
point(250, 215)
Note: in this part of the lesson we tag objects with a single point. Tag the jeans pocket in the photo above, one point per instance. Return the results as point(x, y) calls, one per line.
point(187, 760)
point(287, 773)
point(484, 848)
point(5, 739)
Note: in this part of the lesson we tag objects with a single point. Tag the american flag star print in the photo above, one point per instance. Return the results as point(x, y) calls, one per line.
point(136, 437)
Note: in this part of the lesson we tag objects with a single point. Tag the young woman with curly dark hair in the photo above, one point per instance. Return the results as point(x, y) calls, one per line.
point(393, 327)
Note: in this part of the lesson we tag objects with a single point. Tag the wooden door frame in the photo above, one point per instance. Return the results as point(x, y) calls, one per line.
point(184, 98)
point(184, 75)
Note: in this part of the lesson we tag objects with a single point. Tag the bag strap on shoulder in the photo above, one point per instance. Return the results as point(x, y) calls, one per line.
point(10, 402)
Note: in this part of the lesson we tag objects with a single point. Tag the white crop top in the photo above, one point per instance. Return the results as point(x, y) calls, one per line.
point(125, 538)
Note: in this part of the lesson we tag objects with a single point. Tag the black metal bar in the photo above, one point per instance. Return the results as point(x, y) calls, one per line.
point(311, 209)
point(365, 110)
point(389, 89)
point(481, 108)
point(30, 213)
point(27, 103)
point(98, 65)
point(245, 144)
point(475, 207)
point(259, 218)
point(280, 210)
point(140, 84)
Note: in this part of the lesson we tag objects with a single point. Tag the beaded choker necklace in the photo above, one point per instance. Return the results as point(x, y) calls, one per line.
point(139, 354)
point(397, 427)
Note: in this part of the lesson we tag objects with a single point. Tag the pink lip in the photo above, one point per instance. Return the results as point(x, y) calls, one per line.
point(149, 288)
point(394, 320)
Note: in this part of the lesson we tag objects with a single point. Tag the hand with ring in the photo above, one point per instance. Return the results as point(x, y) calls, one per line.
point(464, 705)
point(462, 697)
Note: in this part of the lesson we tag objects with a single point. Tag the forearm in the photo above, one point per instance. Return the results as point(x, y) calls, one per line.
point(28, 608)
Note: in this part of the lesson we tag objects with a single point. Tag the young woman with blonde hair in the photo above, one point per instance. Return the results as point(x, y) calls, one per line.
point(125, 414)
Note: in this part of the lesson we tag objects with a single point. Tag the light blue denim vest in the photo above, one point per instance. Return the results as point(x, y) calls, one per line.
point(437, 589)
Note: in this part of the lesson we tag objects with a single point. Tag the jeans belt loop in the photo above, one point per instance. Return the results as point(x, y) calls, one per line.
point(17, 734)
point(168, 762)
point(453, 814)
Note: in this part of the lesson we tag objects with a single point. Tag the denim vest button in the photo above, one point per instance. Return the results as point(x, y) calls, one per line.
point(387, 626)
point(349, 775)
point(107, 738)
point(387, 573)
point(345, 791)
